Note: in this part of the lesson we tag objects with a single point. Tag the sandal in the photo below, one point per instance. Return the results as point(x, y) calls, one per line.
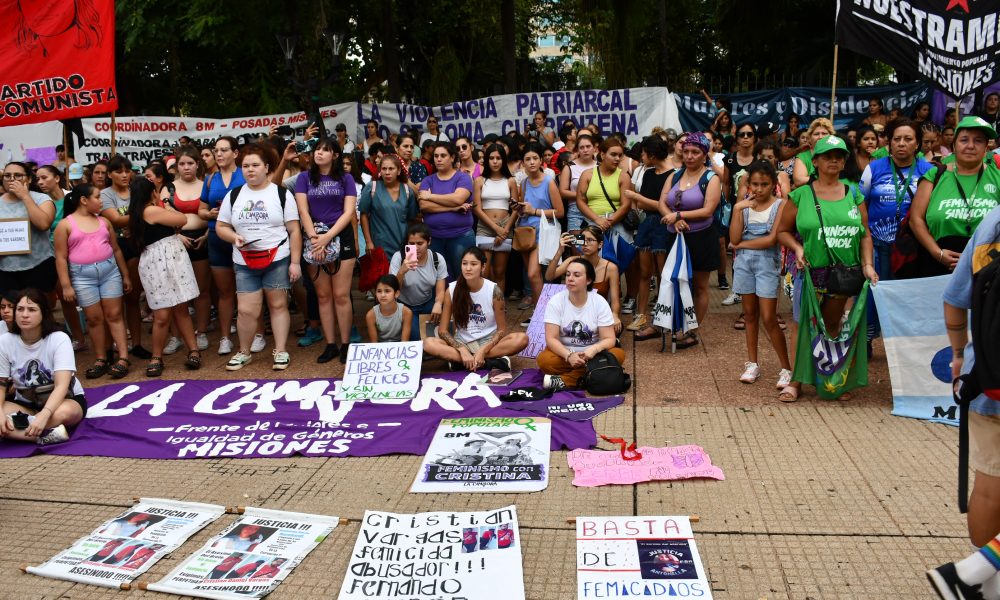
point(155, 367)
point(789, 394)
point(193, 361)
point(647, 333)
point(98, 369)
point(686, 341)
point(782, 324)
point(740, 323)
point(120, 368)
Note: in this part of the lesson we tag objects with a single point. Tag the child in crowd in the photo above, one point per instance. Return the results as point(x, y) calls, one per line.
point(756, 269)
point(7, 310)
point(388, 320)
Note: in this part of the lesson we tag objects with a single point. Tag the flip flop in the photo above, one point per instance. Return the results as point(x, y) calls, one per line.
point(789, 394)
point(740, 323)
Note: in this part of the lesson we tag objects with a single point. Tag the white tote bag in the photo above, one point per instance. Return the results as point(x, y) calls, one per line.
point(549, 233)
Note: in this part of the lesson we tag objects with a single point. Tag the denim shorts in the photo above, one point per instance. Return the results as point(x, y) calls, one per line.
point(652, 234)
point(574, 218)
point(274, 277)
point(95, 282)
point(220, 253)
point(757, 273)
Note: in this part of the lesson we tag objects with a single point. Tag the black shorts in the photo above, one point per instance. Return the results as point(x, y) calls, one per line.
point(202, 252)
point(41, 277)
point(703, 246)
point(79, 399)
point(128, 248)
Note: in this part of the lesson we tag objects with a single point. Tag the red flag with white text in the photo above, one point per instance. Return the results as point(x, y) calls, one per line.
point(57, 60)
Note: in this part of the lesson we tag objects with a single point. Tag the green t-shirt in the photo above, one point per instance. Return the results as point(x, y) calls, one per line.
point(842, 227)
point(988, 159)
point(807, 159)
point(948, 214)
point(880, 152)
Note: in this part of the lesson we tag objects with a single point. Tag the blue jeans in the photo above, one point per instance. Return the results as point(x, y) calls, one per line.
point(420, 309)
point(452, 249)
point(883, 266)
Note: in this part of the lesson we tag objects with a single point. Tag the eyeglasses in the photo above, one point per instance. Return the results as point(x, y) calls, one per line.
point(745, 134)
point(15, 176)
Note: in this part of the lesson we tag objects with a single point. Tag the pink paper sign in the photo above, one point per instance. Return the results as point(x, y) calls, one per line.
point(594, 468)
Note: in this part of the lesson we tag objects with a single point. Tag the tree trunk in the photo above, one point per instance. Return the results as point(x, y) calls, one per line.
point(508, 42)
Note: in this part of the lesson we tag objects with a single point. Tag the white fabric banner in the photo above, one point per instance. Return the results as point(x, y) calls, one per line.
point(473, 555)
point(250, 558)
point(632, 111)
point(125, 547)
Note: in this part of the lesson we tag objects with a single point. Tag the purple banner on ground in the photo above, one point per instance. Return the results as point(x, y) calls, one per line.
point(536, 329)
point(279, 418)
point(576, 408)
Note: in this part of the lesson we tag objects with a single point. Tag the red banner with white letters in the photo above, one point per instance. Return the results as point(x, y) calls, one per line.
point(57, 60)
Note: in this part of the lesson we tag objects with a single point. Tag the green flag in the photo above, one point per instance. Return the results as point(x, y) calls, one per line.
point(834, 365)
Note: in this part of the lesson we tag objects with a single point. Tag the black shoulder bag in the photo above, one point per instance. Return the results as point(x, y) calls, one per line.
point(841, 280)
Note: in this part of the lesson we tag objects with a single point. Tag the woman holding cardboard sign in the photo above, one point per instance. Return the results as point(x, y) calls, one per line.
point(31, 264)
point(476, 305)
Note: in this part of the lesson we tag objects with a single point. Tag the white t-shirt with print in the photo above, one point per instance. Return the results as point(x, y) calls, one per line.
point(578, 326)
point(257, 218)
point(33, 365)
point(482, 319)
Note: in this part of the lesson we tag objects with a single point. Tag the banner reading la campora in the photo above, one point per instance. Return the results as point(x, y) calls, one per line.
point(952, 44)
point(911, 312)
point(57, 60)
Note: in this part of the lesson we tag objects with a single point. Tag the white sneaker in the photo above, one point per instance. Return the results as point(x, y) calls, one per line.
point(784, 379)
point(56, 435)
point(751, 373)
point(173, 345)
point(225, 346)
point(258, 344)
point(553, 382)
point(280, 360)
point(628, 307)
point(732, 299)
point(238, 361)
point(202, 339)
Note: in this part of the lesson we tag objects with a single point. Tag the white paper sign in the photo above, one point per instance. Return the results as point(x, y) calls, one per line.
point(15, 236)
point(382, 371)
point(642, 557)
point(125, 547)
point(430, 556)
point(250, 558)
point(487, 454)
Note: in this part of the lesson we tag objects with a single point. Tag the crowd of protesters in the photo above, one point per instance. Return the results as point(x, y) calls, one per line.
point(227, 238)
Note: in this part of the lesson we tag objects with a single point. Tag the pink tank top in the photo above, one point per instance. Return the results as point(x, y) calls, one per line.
point(88, 248)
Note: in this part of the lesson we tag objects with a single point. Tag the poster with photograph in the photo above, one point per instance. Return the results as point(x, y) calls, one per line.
point(487, 454)
point(648, 557)
point(429, 556)
point(125, 547)
point(250, 558)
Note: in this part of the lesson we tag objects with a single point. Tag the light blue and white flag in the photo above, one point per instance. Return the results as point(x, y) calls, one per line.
point(911, 312)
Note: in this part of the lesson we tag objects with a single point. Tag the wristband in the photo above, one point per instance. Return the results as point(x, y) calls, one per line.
point(941, 253)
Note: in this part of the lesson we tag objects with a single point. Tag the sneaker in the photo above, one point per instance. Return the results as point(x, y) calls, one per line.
point(202, 341)
point(355, 337)
point(784, 379)
point(553, 382)
point(225, 346)
point(280, 360)
point(732, 299)
point(638, 323)
point(258, 344)
point(501, 363)
point(628, 307)
point(751, 373)
point(723, 283)
point(140, 352)
point(232, 329)
point(56, 435)
point(173, 345)
point(526, 322)
point(238, 361)
point(526, 303)
point(369, 296)
point(949, 585)
point(310, 337)
point(79, 345)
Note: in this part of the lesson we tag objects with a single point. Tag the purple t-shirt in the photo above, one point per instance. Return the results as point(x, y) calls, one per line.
point(451, 224)
point(326, 200)
point(691, 199)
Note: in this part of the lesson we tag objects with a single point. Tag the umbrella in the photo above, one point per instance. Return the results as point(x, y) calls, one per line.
point(674, 310)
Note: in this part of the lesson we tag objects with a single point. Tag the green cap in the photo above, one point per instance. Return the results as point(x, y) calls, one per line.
point(971, 122)
point(829, 144)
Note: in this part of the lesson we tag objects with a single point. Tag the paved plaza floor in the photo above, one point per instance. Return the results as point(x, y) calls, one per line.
point(822, 499)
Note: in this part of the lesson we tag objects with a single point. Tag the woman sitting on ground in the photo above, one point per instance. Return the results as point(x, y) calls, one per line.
point(589, 243)
point(476, 305)
point(578, 325)
point(38, 359)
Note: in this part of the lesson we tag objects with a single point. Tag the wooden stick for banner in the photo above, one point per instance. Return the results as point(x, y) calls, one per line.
point(958, 109)
point(833, 86)
point(692, 518)
point(112, 134)
point(125, 586)
point(66, 150)
point(142, 585)
point(23, 567)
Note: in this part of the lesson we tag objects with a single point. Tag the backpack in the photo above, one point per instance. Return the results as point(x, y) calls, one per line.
point(723, 212)
point(984, 378)
point(605, 375)
point(282, 194)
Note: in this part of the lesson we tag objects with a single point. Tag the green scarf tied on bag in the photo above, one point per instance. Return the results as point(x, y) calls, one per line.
point(834, 365)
